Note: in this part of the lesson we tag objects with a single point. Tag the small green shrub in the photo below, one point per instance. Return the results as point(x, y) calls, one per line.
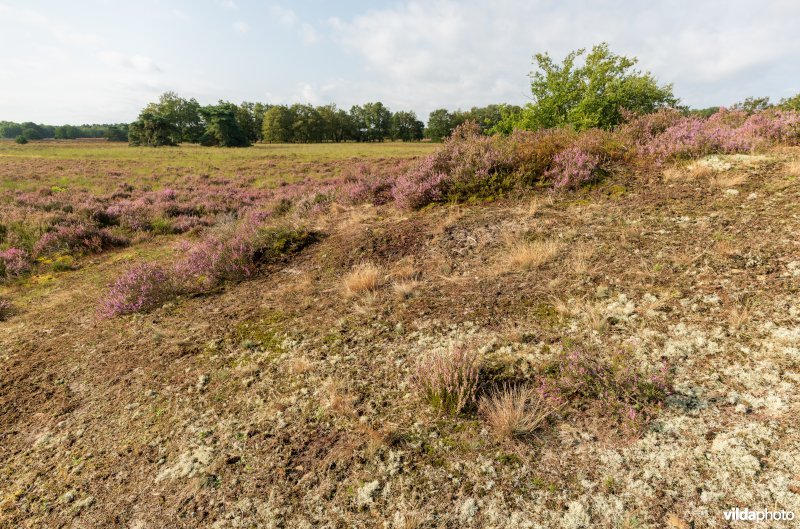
point(274, 243)
point(161, 226)
point(22, 140)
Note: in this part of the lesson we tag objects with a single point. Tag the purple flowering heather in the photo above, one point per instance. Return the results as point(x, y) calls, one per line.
point(216, 259)
point(15, 262)
point(572, 168)
point(77, 238)
point(143, 287)
point(5, 308)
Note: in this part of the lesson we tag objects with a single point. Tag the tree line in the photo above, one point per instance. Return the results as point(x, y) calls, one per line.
point(173, 120)
point(34, 131)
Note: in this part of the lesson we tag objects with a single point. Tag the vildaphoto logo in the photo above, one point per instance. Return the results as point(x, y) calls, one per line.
point(747, 515)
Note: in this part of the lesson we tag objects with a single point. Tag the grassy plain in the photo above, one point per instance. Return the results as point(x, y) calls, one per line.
point(268, 162)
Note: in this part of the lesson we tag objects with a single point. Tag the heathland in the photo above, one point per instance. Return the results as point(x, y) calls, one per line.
point(544, 329)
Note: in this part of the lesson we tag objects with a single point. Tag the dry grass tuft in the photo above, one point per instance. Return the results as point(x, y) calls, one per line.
point(515, 412)
point(528, 255)
point(689, 173)
point(561, 307)
point(729, 180)
point(337, 399)
point(363, 278)
point(793, 168)
point(404, 269)
point(300, 365)
point(595, 317)
point(581, 261)
point(405, 289)
point(739, 316)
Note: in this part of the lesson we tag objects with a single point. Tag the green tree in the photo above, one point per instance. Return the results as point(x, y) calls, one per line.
point(595, 94)
point(9, 129)
point(307, 127)
point(440, 124)
point(116, 133)
point(32, 131)
point(406, 126)
point(68, 132)
point(752, 105)
point(184, 115)
point(152, 129)
point(250, 117)
point(222, 127)
point(277, 125)
point(377, 121)
point(22, 140)
point(790, 103)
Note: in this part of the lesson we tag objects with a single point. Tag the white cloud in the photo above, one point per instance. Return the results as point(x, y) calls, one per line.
point(139, 63)
point(308, 34)
point(284, 16)
point(230, 4)
point(471, 52)
point(288, 18)
point(241, 27)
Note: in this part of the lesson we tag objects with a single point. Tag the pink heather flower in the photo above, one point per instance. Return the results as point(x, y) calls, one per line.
point(15, 262)
point(573, 167)
point(77, 238)
point(216, 259)
point(5, 308)
point(143, 287)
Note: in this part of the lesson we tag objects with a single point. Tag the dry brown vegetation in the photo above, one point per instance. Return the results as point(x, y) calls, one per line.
point(515, 412)
point(274, 402)
point(363, 278)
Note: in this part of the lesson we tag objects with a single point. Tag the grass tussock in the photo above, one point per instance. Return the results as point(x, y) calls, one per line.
point(405, 289)
point(364, 278)
point(516, 412)
point(529, 255)
point(793, 168)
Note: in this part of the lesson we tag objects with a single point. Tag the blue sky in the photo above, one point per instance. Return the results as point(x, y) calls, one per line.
point(102, 60)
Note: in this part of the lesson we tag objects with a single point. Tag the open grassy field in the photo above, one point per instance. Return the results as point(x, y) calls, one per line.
point(90, 163)
point(628, 350)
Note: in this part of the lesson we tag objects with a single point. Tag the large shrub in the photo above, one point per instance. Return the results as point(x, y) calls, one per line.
point(594, 94)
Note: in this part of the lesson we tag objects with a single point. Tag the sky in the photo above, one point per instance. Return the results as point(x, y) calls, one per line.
point(100, 61)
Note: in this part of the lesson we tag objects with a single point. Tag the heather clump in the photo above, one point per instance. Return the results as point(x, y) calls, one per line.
point(363, 184)
point(669, 136)
point(77, 239)
point(14, 262)
point(573, 167)
point(215, 259)
point(612, 387)
point(5, 308)
point(468, 165)
point(141, 288)
point(477, 166)
point(420, 186)
point(448, 378)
